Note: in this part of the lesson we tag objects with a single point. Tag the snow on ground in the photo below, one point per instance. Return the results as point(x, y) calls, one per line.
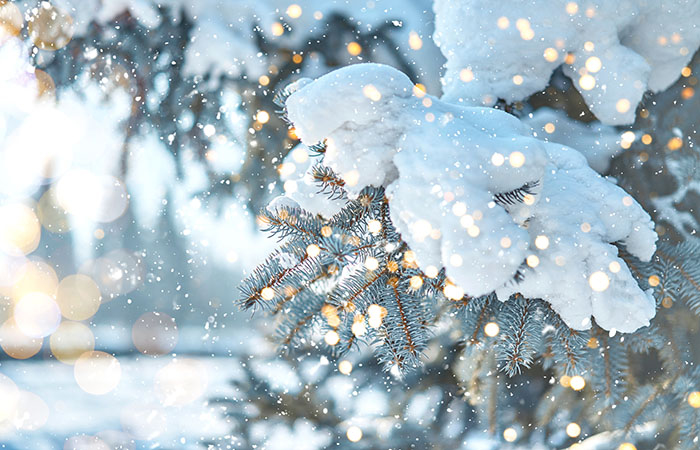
point(443, 165)
point(138, 409)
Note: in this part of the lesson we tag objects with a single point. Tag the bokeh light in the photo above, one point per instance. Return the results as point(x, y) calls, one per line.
point(100, 198)
point(577, 382)
point(599, 281)
point(46, 87)
point(11, 21)
point(71, 340)
point(50, 28)
point(37, 315)
point(510, 434)
point(51, 214)
point(78, 297)
point(491, 329)
point(118, 272)
point(354, 48)
point(20, 230)
point(694, 399)
point(345, 367)
point(17, 344)
point(12, 269)
point(97, 372)
point(354, 433)
point(154, 333)
point(34, 276)
point(573, 430)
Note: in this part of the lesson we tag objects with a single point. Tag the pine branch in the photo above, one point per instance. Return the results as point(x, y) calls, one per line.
point(684, 261)
point(640, 404)
point(521, 325)
point(569, 345)
point(329, 182)
point(516, 195)
point(291, 221)
point(610, 364)
point(360, 287)
point(358, 211)
point(304, 312)
point(280, 100)
point(476, 314)
point(283, 272)
point(319, 149)
point(404, 326)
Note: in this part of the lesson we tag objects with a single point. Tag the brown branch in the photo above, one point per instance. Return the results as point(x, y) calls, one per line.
point(253, 299)
point(366, 286)
point(297, 328)
point(482, 316)
point(295, 291)
point(658, 390)
point(404, 321)
point(516, 358)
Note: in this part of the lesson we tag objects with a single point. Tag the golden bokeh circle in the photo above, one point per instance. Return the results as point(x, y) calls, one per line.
point(97, 373)
point(46, 88)
point(20, 230)
point(51, 214)
point(155, 333)
point(50, 28)
point(71, 340)
point(17, 344)
point(11, 21)
point(34, 276)
point(78, 297)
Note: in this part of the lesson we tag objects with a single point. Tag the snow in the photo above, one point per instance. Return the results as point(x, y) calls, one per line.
point(136, 412)
point(300, 186)
point(597, 142)
point(509, 50)
point(442, 164)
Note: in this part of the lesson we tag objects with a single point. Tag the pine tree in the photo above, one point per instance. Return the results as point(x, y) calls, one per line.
point(350, 283)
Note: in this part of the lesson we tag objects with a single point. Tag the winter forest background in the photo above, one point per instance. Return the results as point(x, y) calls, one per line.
point(444, 271)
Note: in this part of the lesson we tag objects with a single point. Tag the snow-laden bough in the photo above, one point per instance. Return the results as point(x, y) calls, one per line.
point(471, 190)
point(613, 51)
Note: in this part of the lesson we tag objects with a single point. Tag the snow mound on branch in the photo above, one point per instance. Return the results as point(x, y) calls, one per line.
point(597, 142)
point(509, 50)
point(443, 165)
